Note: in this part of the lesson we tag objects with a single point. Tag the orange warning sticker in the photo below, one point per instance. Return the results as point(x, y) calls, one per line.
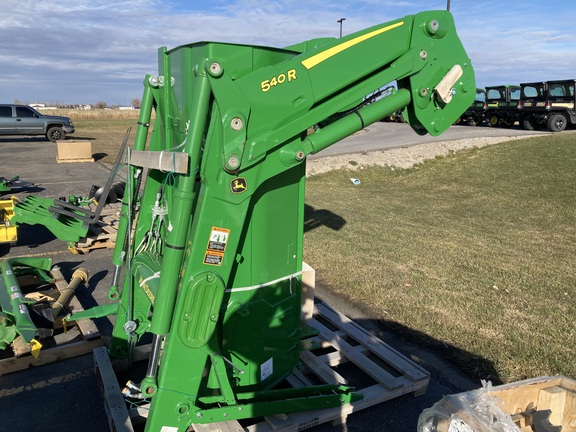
point(216, 246)
point(213, 258)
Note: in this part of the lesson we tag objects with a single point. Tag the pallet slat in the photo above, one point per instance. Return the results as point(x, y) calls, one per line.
point(114, 405)
point(375, 345)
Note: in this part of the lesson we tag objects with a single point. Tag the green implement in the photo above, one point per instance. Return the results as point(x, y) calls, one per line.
point(214, 264)
point(15, 315)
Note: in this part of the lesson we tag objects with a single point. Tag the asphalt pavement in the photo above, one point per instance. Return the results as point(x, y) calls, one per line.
point(63, 396)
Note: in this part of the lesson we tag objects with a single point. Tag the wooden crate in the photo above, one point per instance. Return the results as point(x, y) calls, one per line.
point(78, 338)
point(544, 404)
point(348, 354)
point(72, 150)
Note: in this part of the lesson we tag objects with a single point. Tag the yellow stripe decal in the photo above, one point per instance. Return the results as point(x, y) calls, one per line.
point(309, 63)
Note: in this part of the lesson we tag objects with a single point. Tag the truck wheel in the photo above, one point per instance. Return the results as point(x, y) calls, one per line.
point(493, 120)
point(556, 123)
point(527, 124)
point(55, 133)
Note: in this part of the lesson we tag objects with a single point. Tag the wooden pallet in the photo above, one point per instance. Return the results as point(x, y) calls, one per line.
point(102, 234)
point(78, 338)
point(348, 354)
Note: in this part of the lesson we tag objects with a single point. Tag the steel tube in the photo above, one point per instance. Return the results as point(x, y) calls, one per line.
point(353, 122)
point(78, 277)
point(179, 216)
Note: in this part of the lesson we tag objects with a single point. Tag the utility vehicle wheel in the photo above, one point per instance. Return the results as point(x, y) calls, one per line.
point(493, 120)
point(458, 121)
point(55, 133)
point(556, 123)
point(472, 121)
point(527, 124)
point(509, 122)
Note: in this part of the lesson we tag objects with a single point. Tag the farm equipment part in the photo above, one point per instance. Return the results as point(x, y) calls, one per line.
point(6, 184)
point(550, 104)
point(70, 220)
point(502, 105)
point(30, 313)
point(13, 185)
point(8, 231)
point(213, 255)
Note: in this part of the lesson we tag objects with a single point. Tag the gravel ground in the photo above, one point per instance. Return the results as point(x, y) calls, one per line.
point(405, 157)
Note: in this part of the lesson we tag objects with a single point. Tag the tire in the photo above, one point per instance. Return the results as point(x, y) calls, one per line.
point(556, 123)
point(493, 120)
point(55, 133)
point(472, 121)
point(509, 122)
point(527, 124)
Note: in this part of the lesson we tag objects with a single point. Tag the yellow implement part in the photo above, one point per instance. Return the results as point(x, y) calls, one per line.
point(8, 233)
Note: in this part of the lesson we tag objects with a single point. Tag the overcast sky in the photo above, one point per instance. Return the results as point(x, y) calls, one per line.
point(86, 51)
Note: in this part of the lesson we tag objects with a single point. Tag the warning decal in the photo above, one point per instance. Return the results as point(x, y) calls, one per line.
point(213, 258)
point(218, 239)
point(216, 246)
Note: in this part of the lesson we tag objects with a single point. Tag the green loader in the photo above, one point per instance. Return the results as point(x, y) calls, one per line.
point(212, 273)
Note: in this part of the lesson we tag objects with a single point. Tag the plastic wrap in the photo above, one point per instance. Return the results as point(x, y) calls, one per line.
point(475, 411)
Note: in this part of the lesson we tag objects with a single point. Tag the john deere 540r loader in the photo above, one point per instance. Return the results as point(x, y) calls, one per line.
point(213, 269)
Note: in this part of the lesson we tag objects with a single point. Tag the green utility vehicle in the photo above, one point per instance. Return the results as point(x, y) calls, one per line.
point(549, 104)
point(476, 113)
point(502, 105)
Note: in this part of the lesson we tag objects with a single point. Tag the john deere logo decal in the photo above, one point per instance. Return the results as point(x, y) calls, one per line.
point(238, 185)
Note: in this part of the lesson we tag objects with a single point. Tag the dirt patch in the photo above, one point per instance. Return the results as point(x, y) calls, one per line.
point(405, 157)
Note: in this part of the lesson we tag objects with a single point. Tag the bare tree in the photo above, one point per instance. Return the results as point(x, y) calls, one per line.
point(100, 105)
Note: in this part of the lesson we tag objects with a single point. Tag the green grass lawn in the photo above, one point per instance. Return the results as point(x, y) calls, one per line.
point(106, 135)
point(473, 254)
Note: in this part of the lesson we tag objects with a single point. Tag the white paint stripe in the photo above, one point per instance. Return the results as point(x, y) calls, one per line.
point(264, 285)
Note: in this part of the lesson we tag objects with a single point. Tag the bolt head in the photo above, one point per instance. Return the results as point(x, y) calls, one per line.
point(233, 162)
point(236, 123)
point(153, 81)
point(215, 68)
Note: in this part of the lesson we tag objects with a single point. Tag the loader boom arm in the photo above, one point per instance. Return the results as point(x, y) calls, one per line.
point(213, 269)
